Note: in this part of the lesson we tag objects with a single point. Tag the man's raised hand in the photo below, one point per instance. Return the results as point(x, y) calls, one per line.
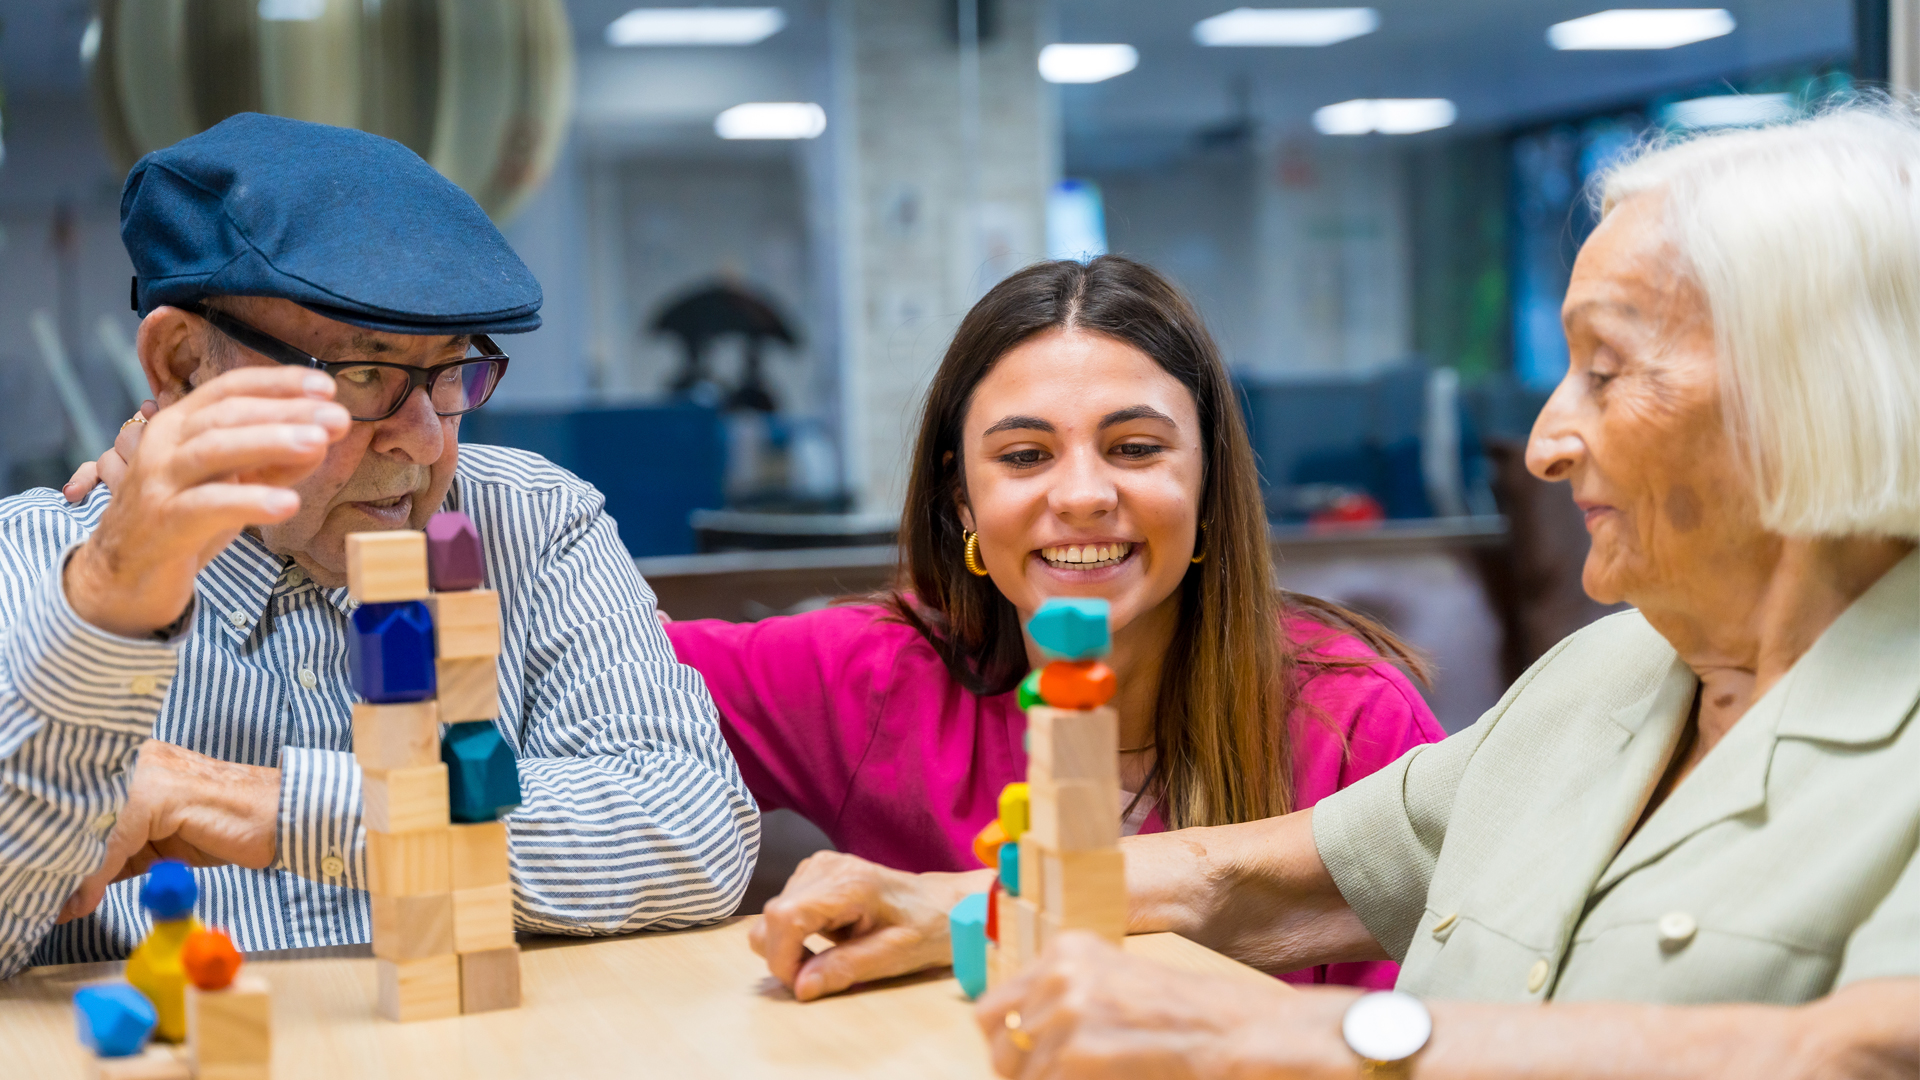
point(220, 459)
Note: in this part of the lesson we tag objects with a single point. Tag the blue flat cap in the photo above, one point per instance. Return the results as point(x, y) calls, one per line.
point(346, 224)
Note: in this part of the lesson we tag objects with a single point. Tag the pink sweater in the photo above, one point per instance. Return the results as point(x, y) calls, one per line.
point(850, 719)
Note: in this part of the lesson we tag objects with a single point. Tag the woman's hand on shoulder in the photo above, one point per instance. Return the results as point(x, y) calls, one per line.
point(883, 923)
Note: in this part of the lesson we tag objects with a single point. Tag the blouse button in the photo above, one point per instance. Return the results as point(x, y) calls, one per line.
point(142, 685)
point(333, 866)
point(237, 618)
point(296, 576)
point(308, 679)
point(1440, 928)
point(1537, 976)
point(1677, 929)
point(104, 821)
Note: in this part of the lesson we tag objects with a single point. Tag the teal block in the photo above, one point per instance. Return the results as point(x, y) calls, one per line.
point(967, 925)
point(483, 779)
point(1010, 868)
point(1071, 627)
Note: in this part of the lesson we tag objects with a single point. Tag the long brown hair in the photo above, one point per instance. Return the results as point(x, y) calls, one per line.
point(1230, 677)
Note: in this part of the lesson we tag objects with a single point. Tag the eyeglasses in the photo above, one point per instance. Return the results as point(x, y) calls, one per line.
point(371, 390)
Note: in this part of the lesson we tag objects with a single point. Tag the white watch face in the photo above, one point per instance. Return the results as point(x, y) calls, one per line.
point(1387, 1026)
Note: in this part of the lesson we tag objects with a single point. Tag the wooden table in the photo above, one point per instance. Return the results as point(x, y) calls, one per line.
point(683, 1005)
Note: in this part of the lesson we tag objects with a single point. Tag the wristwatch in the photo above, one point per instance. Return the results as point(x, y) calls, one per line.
point(1387, 1029)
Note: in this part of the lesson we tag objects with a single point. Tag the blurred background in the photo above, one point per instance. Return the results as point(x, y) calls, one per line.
point(758, 225)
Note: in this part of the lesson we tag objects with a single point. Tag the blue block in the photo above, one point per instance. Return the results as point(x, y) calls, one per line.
point(1071, 627)
point(169, 891)
point(115, 1019)
point(1010, 868)
point(967, 925)
point(390, 651)
point(483, 779)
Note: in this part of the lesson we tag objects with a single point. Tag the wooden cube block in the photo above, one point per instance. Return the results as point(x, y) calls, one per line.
point(424, 989)
point(154, 1063)
point(1087, 890)
point(1065, 744)
point(399, 736)
point(404, 800)
point(412, 927)
point(995, 976)
point(469, 689)
point(232, 1026)
point(409, 863)
point(483, 918)
point(466, 624)
point(1075, 815)
point(1020, 931)
point(490, 980)
point(1033, 883)
point(385, 566)
point(480, 855)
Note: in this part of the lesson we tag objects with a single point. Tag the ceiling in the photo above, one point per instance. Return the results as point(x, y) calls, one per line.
point(1489, 56)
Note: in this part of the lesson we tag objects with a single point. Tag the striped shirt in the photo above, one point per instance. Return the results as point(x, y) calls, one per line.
point(634, 813)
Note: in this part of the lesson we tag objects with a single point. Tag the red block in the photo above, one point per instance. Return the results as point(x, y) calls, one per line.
point(1076, 684)
point(993, 912)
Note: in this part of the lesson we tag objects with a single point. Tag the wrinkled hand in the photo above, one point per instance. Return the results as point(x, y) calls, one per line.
point(1092, 1012)
point(186, 806)
point(206, 467)
point(885, 923)
point(112, 466)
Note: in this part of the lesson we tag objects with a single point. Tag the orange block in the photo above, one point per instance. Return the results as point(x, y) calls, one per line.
point(986, 846)
point(1076, 684)
point(210, 959)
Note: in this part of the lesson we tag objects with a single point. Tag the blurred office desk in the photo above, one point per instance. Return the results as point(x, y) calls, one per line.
point(685, 1005)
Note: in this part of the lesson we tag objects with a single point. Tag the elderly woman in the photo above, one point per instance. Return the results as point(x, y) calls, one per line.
point(1691, 827)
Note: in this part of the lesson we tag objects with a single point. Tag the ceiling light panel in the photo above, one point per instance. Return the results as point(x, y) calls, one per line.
point(1730, 110)
point(1301, 27)
point(1086, 63)
point(1388, 116)
point(771, 120)
point(696, 26)
point(1641, 28)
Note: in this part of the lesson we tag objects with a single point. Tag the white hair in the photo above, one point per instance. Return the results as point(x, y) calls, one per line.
point(1805, 239)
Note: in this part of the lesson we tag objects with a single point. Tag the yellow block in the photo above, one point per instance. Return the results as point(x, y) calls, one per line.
point(1013, 811)
point(154, 970)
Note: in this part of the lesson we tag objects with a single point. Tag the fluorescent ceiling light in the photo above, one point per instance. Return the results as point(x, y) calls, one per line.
point(694, 26)
point(1388, 116)
point(292, 10)
point(1641, 28)
point(1286, 26)
point(771, 120)
point(1730, 110)
point(1086, 63)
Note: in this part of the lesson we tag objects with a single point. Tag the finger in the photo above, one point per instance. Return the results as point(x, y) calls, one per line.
point(225, 451)
point(113, 469)
point(149, 407)
point(882, 954)
point(84, 478)
point(213, 508)
point(127, 441)
point(255, 380)
point(236, 412)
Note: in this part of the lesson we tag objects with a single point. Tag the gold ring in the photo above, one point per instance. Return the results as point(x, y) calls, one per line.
point(137, 419)
point(1022, 1041)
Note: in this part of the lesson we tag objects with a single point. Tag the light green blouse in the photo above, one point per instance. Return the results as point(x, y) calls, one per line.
point(1496, 865)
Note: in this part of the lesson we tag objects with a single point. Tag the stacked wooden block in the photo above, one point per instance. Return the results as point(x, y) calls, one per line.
point(424, 649)
point(1056, 841)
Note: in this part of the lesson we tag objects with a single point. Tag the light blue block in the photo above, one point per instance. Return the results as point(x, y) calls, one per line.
point(1071, 627)
point(1010, 869)
point(114, 1019)
point(967, 924)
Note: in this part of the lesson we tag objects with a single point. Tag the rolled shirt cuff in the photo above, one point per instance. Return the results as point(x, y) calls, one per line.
point(69, 670)
point(320, 837)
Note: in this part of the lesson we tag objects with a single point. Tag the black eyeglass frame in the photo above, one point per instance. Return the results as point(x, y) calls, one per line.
point(418, 378)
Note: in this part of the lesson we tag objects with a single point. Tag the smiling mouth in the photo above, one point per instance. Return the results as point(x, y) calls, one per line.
point(1086, 556)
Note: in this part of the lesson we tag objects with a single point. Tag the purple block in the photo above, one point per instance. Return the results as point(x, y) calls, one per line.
point(390, 651)
point(454, 558)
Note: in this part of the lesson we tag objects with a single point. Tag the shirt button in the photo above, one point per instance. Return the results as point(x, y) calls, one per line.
point(237, 618)
point(104, 821)
point(1537, 976)
point(142, 685)
point(308, 679)
point(332, 866)
point(1677, 929)
point(296, 576)
point(1440, 928)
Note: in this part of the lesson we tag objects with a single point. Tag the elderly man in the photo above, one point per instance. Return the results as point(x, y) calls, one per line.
point(173, 682)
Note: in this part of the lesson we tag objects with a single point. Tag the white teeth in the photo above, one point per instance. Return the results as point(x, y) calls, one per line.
point(1086, 555)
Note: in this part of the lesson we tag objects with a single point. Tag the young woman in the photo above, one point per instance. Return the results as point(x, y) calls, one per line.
point(1081, 438)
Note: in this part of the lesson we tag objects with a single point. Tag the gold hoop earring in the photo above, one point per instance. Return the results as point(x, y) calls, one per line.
point(971, 554)
point(1202, 556)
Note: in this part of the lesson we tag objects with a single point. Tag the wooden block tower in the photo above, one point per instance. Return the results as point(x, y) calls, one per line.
point(424, 647)
point(1056, 842)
